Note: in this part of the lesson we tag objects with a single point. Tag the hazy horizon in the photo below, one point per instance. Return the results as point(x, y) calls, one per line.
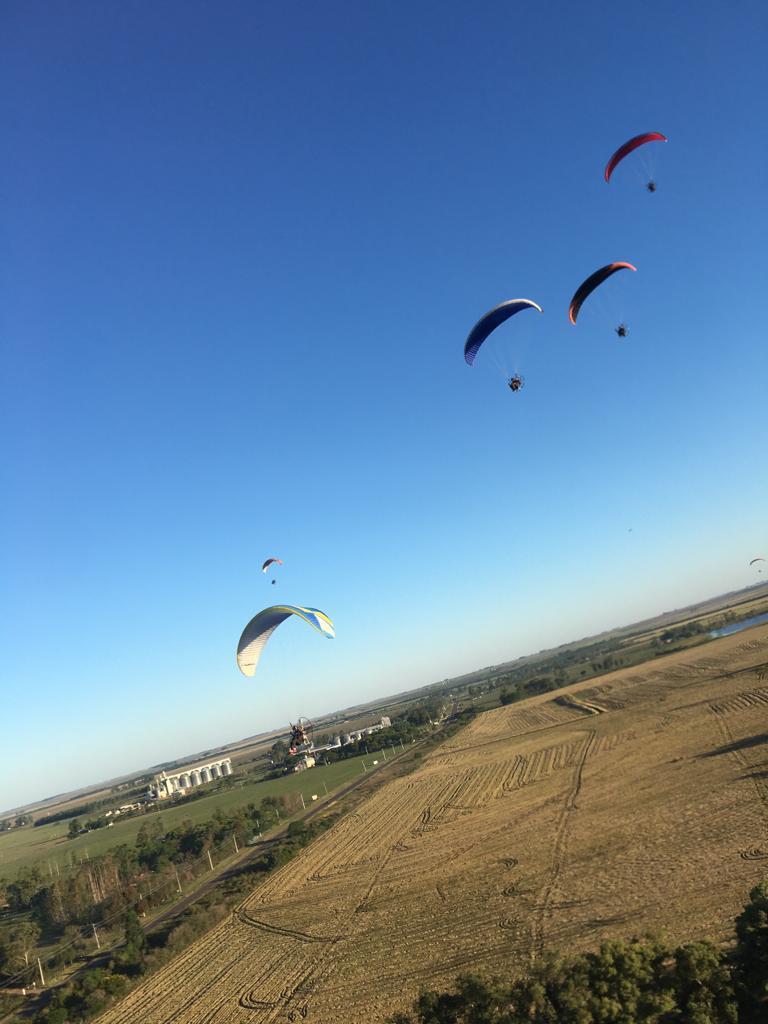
point(190, 756)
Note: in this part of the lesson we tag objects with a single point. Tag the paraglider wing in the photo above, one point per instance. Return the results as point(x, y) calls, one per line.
point(261, 627)
point(490, 321)
point(629, 147)
point(271, 561)
point(759, 559)
point(592, 282)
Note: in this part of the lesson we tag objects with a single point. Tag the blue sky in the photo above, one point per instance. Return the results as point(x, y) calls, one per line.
point(244, 243)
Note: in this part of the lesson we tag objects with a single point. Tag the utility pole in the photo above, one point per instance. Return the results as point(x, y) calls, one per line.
point(58, 873)
point(50, 869)
point(384, 753)
point(209, 859)
point(234, 840)
point(178, 883)
point(277, 813)
point(364, 768)
point(96, 936)
point(40, 968)
point(302, 801)
point(325, 788)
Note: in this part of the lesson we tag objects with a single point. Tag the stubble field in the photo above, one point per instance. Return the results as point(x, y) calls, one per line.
point(637, 801)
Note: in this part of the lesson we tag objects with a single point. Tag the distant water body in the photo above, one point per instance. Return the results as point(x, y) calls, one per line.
point(736, 627)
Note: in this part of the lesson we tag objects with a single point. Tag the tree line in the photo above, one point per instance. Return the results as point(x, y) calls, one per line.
point(91, 806)
point(21, 819)
point(640, 981)
point(407, 726)
point(47, 910)
point(44, 910)
point(141, 954)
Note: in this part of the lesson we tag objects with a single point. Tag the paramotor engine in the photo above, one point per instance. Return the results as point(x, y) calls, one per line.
point(301, 735)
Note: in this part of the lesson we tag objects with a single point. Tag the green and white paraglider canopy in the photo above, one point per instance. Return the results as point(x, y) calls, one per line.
point(261, 627)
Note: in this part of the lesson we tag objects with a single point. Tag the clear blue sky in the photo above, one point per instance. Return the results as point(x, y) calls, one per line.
point(243, 244)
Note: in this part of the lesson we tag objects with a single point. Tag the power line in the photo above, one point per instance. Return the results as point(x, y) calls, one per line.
point(90, 931)
point(85, 932)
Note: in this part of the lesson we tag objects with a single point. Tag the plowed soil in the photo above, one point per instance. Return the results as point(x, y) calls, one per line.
point(635, 802)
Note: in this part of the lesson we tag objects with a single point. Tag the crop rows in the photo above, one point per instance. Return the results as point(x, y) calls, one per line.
point(742, 702)
point(608, 742)
point(503, 723)
point(502, 844)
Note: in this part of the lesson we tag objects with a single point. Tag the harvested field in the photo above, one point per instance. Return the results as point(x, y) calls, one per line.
point(604, 810)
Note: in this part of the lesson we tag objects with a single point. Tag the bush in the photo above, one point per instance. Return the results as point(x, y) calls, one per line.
point(636, 982)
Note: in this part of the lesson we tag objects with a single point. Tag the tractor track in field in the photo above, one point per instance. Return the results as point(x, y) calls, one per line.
point(737, 755)
point(560, 848)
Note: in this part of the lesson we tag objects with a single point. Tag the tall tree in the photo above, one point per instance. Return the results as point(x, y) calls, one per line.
point(751, 956)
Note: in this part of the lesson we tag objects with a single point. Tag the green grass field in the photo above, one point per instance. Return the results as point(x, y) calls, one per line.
point(49, 844)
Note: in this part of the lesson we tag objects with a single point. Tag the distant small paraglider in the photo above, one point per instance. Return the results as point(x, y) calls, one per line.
point(629, 147)
point(271, 561)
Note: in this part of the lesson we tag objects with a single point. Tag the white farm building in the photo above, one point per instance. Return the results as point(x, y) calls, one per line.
point(167, 784)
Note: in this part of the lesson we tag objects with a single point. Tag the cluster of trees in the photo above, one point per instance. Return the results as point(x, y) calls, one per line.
point(582, 660)
point(76, 827)
point(57, 909)
point(529, 688)
point(684, 632)
point(141, 954)
point(643, 981)
point(16, 942)
point(571, 665)
point(406, 726)
point(88, 808)
point(8, 823)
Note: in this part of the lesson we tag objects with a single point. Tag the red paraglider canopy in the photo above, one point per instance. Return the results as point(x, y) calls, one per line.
point(629, 147)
